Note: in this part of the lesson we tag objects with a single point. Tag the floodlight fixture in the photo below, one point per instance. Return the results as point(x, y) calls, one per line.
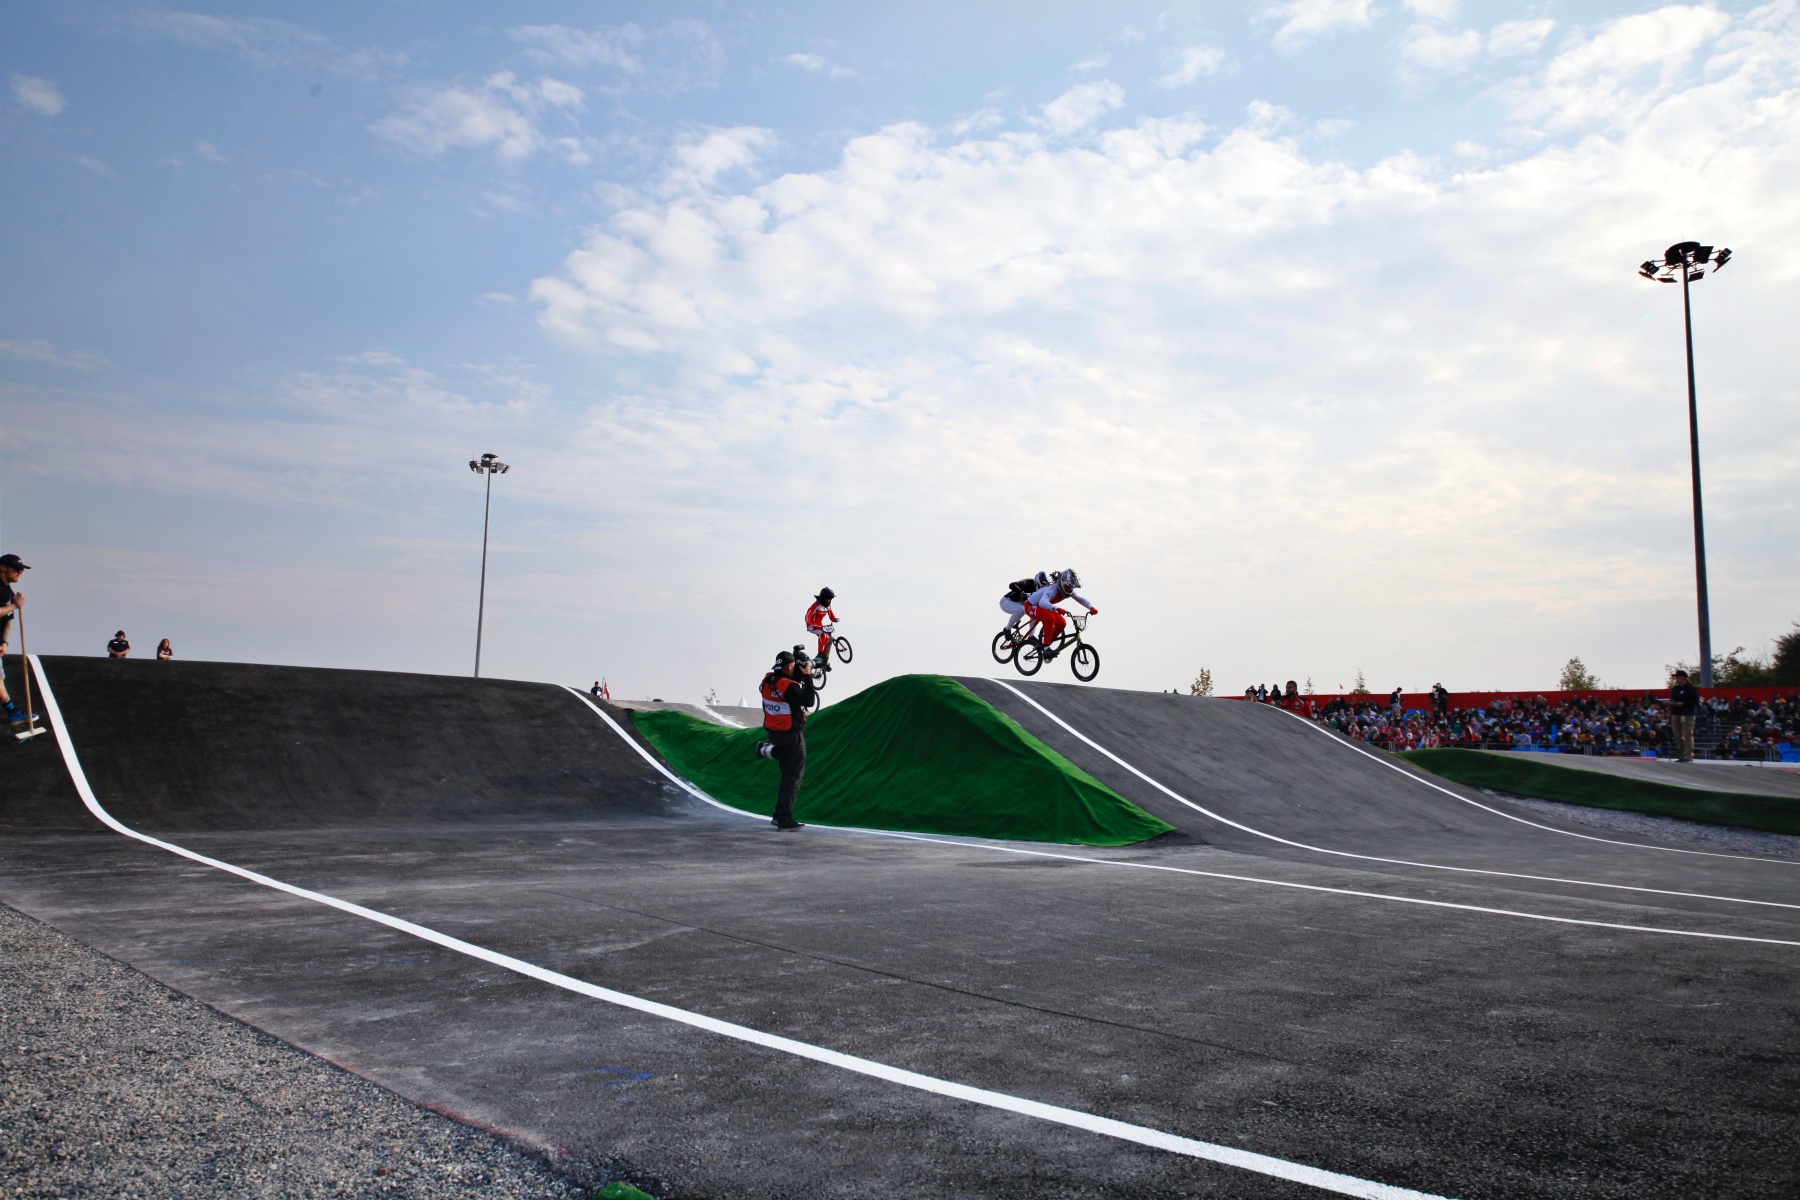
point(487, 466)
point(1686, 263)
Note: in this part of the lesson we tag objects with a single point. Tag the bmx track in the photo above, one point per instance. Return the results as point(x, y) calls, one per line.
point(1336, 977)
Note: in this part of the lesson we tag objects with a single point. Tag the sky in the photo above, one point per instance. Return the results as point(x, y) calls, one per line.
point(1307, 331)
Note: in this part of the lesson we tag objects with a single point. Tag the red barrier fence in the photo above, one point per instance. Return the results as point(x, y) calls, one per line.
point(1608, 696)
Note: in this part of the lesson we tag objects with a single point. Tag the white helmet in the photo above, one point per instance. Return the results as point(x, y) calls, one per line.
point(1069, 579)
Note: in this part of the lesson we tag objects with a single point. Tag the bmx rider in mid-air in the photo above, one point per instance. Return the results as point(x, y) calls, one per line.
point(1041, 606)
point(817, 614)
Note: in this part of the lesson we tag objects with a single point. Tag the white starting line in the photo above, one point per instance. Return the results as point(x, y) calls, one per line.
point(1331, 1181)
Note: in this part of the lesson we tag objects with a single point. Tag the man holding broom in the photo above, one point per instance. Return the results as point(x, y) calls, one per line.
point(11, 603)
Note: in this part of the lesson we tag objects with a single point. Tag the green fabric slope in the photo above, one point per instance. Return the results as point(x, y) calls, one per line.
point(1528, 775)
point(919, 753)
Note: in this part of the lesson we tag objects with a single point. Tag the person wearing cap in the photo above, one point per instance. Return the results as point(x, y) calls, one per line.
point(1684, 707)
point(787, 692)
point(119, 647)
point(11, 570)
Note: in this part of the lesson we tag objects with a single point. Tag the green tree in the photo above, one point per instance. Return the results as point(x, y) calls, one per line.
point(1785, 669)
point(1577, 678)
point(1734, 669)
point(1203, 684)
point(1362, 685)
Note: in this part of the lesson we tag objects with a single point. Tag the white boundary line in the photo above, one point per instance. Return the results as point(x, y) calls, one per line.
point(677, 780)
point(982, 844)
point(1351, 744)
point(723, 719)
point(1331, 1181)
point(1403, 862)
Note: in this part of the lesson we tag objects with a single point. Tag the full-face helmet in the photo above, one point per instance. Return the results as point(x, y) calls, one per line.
point(1069, 579)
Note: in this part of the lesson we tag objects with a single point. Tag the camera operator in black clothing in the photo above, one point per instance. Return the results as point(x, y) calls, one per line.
point(787, 692)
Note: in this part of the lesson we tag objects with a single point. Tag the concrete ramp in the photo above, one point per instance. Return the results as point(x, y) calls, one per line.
point(228, 746)
point(1278, 786)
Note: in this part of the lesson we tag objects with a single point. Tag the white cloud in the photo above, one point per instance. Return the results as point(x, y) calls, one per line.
point(1439, 50)
point(1435, 10)
point(818, 64)
point(1082, 105)
point(40, 351)
point(1627, 66)
point(677, 57)
point(1305, 21)
point(1225, 341)
point(695, 166)
point(265, 41)
point(614, 48)
point(1195, 62)
point(208, 151)
point(96, 166)
point(499, 114)
point(1519, 37)
point(39, 95)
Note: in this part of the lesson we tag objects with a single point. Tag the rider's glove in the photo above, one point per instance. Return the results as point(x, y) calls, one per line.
point(1092, 611)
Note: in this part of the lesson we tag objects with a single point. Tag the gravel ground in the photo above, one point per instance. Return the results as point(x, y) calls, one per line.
point(1673, 829)
point(113, 1085)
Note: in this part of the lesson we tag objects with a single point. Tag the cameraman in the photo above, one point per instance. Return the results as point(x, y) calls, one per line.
point(787, 692)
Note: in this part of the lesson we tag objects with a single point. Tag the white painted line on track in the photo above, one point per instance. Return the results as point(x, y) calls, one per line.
point(650, 758)
point(723, 719)
point(1586, 837)
point(982, 844)
point(1402, 862)
point(1262, 1164)
point(1338, 891)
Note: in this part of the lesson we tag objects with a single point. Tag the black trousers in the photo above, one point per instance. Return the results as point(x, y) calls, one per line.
point(790, 752)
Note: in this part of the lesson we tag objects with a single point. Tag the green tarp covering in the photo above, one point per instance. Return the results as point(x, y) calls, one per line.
point(919, 753)
point(1531, 775)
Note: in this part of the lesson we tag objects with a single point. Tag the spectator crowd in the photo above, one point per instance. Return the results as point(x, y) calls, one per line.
point(1738, 728)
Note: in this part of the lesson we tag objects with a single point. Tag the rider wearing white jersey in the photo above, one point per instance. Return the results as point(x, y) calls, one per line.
point(1041, 605)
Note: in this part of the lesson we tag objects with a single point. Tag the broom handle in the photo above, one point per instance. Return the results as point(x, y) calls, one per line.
point(24, 663)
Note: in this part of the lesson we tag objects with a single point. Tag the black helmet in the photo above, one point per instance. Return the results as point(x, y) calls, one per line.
point(826, 595)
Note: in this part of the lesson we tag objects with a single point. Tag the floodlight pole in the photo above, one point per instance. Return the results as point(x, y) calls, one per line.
point(488, 466)
point(1687, 321)
point(1690, 260)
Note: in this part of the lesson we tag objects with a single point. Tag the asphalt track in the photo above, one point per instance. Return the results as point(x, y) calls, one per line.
point(1451, 1032)
point(1710, 776)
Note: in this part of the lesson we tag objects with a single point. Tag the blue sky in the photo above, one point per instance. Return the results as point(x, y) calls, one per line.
point(1307, 331)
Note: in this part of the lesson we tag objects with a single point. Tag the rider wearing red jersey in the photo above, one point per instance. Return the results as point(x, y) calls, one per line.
point(1041, 605)
point(816, 616)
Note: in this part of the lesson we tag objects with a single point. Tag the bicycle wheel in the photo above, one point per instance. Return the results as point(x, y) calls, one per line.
point(842, 646)
point(1004, 647)
point(1085, 662)
point(819, 678)
point(1030, 656)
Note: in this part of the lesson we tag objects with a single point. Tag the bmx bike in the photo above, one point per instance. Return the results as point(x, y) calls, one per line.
point(822, 662)
point(1084, 660)
point(1007, 641)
